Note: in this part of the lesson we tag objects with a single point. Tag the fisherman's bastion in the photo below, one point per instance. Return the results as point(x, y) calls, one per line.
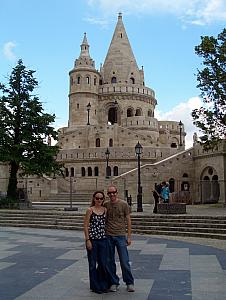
point(111, 110)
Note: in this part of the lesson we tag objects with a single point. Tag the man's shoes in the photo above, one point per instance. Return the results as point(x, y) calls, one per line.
point(130, 288)
point(113, 288)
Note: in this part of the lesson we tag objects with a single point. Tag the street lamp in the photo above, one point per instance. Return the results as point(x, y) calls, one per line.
point(88, 107)
point(180, 126)
point(107, 154)
point(138, 151)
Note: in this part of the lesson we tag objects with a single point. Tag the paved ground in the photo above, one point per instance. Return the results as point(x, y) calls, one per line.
point(45, 264)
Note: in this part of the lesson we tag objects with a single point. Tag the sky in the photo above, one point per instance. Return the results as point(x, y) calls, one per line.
point(47, 36)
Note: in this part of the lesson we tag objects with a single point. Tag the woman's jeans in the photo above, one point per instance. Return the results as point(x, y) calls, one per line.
point(120, 243)
point(97, 259)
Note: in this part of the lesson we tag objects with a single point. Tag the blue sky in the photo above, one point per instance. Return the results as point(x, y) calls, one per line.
point(47, 35)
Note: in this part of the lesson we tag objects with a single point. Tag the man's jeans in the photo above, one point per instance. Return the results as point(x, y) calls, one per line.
point(121, 245)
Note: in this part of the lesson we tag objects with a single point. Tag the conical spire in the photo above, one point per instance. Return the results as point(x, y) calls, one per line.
point(84, 60)
point(120, 61)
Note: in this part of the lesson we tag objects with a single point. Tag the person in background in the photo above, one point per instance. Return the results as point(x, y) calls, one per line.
point(156, 194)
point(118, 230)
point(165, 192)
point(96, 243)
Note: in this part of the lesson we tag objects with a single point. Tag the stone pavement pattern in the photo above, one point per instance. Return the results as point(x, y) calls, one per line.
point(45, 264)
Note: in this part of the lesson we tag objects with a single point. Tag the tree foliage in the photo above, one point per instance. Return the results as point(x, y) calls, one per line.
point(24, 129)
point(211, 117)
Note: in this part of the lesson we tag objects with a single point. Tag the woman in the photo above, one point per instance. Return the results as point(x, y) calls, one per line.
point(96, 243)
point(165, 192)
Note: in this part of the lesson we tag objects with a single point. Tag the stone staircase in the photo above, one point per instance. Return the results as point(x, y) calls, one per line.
point(176, 225)
point(61, 200)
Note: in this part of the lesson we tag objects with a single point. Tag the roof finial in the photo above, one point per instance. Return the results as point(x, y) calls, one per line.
point(119, 15)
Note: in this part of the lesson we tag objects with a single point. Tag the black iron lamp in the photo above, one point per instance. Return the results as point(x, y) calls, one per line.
point(88, 107)
point(138, 151)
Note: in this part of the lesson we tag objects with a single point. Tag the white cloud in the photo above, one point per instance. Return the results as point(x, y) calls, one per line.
point(198, 12)
point(8, 51)
point(97, 21)
point(182, 112)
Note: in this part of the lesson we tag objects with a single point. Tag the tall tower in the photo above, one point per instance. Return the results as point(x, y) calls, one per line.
point(84, 84)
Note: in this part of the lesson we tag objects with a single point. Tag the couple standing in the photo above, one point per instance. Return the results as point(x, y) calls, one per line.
point(107, 225)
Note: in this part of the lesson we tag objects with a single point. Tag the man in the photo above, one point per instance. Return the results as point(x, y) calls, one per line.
point(156, 194)
point(118, 231)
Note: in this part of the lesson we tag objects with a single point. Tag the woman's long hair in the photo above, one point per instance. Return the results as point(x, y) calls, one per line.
point(94, 194)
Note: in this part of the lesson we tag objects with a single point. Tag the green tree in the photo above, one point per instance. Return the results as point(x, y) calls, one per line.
point(24, 129)
point(211, 117)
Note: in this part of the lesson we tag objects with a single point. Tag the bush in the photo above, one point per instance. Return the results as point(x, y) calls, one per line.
point(6, 202)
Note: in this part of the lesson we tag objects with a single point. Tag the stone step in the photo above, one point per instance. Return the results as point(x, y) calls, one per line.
point(136, 224)
point(199, 226)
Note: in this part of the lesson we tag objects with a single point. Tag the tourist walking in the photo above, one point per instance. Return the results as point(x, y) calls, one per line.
point(156, 194)
point(118, 230)
point(165, 192)
point(96, 243)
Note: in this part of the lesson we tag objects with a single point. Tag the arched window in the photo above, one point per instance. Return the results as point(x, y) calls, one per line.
point(173, 145)
point(132, 80)
point(113, 79)
point(96, 171)
point(90, 171)
point(97, 142)
point(72, 172)
point(87, 79)
point(171, 185)
point(78, 80)
point(95, 81)
point(115, 171)
point(185, 175)
point(66, 172)
point(83, 171)
point(108, 171)
point(138, 112)
point(129, 112)
point(110, 142)
point(149, 113)
point(112, 115)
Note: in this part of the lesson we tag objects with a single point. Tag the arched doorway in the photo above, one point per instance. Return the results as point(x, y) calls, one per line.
point(210, 188)
point(112, 115)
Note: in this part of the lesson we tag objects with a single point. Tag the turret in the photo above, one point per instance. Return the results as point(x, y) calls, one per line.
point(84, 84)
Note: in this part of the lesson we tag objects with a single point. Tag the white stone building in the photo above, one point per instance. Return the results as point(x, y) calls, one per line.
point(112, 109)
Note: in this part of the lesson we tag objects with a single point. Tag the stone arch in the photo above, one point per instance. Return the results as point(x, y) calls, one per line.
point(113, 112)
point(210, 188)
point(171, 185)
point(90, 172)
point(174, 142)
point(83, 171)
point(87, 79)
point(138, 112)
point(115, 171)
point(72, 172)
point(78, 79)
point(150, 114)
point(113, 79)
point(97, 142)
point(130, 112)
point(132, 80)
point(96, 171)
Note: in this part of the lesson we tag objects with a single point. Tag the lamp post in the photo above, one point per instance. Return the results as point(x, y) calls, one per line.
point(138, 151)
point(107, 154)
point(180, 126)
point(88, 107)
